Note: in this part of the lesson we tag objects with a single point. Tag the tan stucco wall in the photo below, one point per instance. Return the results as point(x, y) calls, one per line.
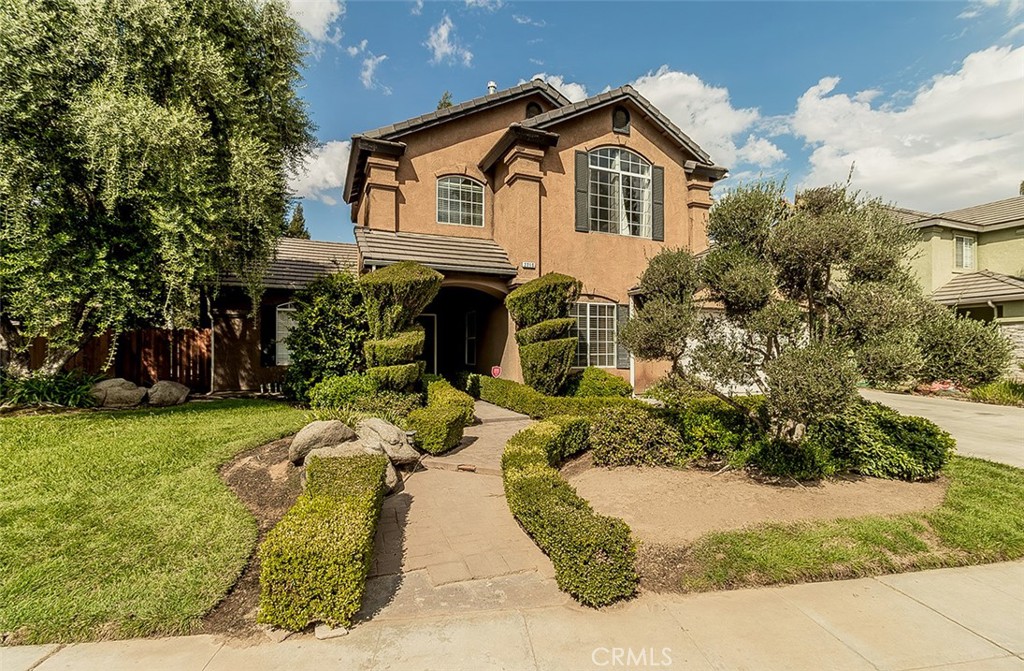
point(1002, 251)
point(529, 203)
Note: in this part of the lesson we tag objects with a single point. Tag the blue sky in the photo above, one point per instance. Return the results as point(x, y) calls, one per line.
point(924, 99)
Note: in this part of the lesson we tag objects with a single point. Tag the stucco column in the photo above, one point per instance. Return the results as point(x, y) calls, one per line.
point(697, 205)
point(519, 229)
point(381, 193)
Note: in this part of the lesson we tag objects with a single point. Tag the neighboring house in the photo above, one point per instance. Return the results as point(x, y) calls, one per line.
point(495, 192)
point(973, 259)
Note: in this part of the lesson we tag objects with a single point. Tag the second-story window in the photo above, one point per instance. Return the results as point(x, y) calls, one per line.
point(620, 192)
point(964, 252)
point(460, 200)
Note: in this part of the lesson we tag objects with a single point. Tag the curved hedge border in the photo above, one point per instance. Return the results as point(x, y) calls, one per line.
point(594, 556)
point(439, 425)
point(314, 563)
point(520, 398)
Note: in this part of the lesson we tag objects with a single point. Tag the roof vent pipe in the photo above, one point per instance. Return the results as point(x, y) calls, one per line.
point(492, 87)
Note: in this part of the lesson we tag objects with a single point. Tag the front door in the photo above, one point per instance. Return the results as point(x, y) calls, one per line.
point(429, 323)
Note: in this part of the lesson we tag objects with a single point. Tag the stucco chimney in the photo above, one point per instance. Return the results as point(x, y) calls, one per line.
point(492, 86)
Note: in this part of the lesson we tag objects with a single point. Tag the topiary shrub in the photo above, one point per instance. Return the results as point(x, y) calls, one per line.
point(552, 329)
point(314, 562)
point(339, 391)
point(401, 348)
point(961, 349)
point(594, 556)
point(546, 364)
point(634, 436)
point(550, 296)
point(399, 377)
point(597, 382)
point(395, 295)
point(328, 332)
point(440, 424)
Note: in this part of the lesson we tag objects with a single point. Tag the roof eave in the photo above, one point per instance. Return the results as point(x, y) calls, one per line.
point(361, 148)
point(369, 261)
point(515, 134)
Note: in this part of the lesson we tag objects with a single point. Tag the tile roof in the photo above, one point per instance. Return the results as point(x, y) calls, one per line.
point(987, 214)
point(440, 252)
point(979, 287)
point(395, 130)
point(908, 216)
point(298, 262)
point(548, 119)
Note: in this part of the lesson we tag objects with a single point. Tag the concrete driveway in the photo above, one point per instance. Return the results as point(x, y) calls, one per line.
point(993, 432)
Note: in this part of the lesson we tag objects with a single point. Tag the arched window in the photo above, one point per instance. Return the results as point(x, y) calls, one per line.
point(532, 109)
point(460, 200)
point(620, 120)
point(620, 192)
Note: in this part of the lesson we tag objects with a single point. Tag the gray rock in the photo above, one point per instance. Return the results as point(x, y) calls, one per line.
point(275, 634)
point(324, 632)
point(393, 440)
point(316, 435)
point(118, 393)
point(391, 478)
point(165, 393)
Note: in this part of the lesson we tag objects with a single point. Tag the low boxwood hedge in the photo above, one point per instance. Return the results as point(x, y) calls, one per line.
point(314, 563)
point(520, 398)
point(399, 377)
point(339, 391)
point(439, 425)
point(599, 382)
point(551, 329)
point(403, 347)
point(594, 556)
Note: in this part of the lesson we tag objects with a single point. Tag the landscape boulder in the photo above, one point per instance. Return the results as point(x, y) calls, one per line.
point(393, 440)
point(354, 449)
point(164, 393)
point(321, 433)
point(118, 393)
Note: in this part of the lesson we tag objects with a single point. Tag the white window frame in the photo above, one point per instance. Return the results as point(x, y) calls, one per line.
point(282, 354)
point(584, 356)
point(638, 172)
point(958, 255)
point(471, 338)
point(462, 203)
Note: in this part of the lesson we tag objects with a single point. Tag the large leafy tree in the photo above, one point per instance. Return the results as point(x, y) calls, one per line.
point(144, 151)
point(796, 300)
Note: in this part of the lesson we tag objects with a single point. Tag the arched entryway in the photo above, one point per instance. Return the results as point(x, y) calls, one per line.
point(467, 328)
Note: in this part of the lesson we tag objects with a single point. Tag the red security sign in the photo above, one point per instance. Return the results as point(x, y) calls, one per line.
point(495, 371)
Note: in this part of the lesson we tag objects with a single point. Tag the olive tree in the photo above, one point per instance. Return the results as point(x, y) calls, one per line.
point(144, 151)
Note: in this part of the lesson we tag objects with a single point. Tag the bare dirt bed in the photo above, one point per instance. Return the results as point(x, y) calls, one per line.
point(268, 484)
point(676, 507)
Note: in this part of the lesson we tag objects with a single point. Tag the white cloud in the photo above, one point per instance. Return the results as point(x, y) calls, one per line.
point(357, 49)
point(319, 18)
point(368, 74)
point(574, 91)
point(524, 20)
point(1016, 30)
point(417, 8)
point(490, 5)
point(976, 8)
point(323, 172)
point(705, 113)
point(444, 47)
point(959, 141)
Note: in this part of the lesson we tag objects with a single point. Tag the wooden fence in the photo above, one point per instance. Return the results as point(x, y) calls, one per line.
point(145, 356)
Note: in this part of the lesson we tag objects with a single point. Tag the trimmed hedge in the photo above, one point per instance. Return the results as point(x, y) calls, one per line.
point(314, 563)
point(398, 377)
point(594, 556)
point(551, 329)
point(439, 426)
point(631, 436)
point(520, 398)
point(546, 364)
point(339, 391)
point(403, 347)
point(548, 297)
point(395, 295)
point(597, 382)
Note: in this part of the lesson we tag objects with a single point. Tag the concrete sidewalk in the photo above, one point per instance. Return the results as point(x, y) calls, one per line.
point(993, 432)
point(968, 619)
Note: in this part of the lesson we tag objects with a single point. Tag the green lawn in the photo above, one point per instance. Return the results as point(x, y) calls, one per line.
point(979, 521)
point(116, 524)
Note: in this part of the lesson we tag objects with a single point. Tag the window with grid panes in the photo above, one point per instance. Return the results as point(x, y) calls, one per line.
point(460, 201)
point(620, 192)
point(595, 330)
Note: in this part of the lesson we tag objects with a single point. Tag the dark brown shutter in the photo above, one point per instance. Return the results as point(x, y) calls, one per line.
point(658, 203)
point(268, 333)
point(582, 192)
point(621, 353)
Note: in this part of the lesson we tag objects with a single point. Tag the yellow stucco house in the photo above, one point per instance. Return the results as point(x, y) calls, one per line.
point(973, 259)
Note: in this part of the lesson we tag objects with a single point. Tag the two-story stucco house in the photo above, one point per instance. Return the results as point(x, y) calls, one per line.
point(973, 259)
point(495, 192)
